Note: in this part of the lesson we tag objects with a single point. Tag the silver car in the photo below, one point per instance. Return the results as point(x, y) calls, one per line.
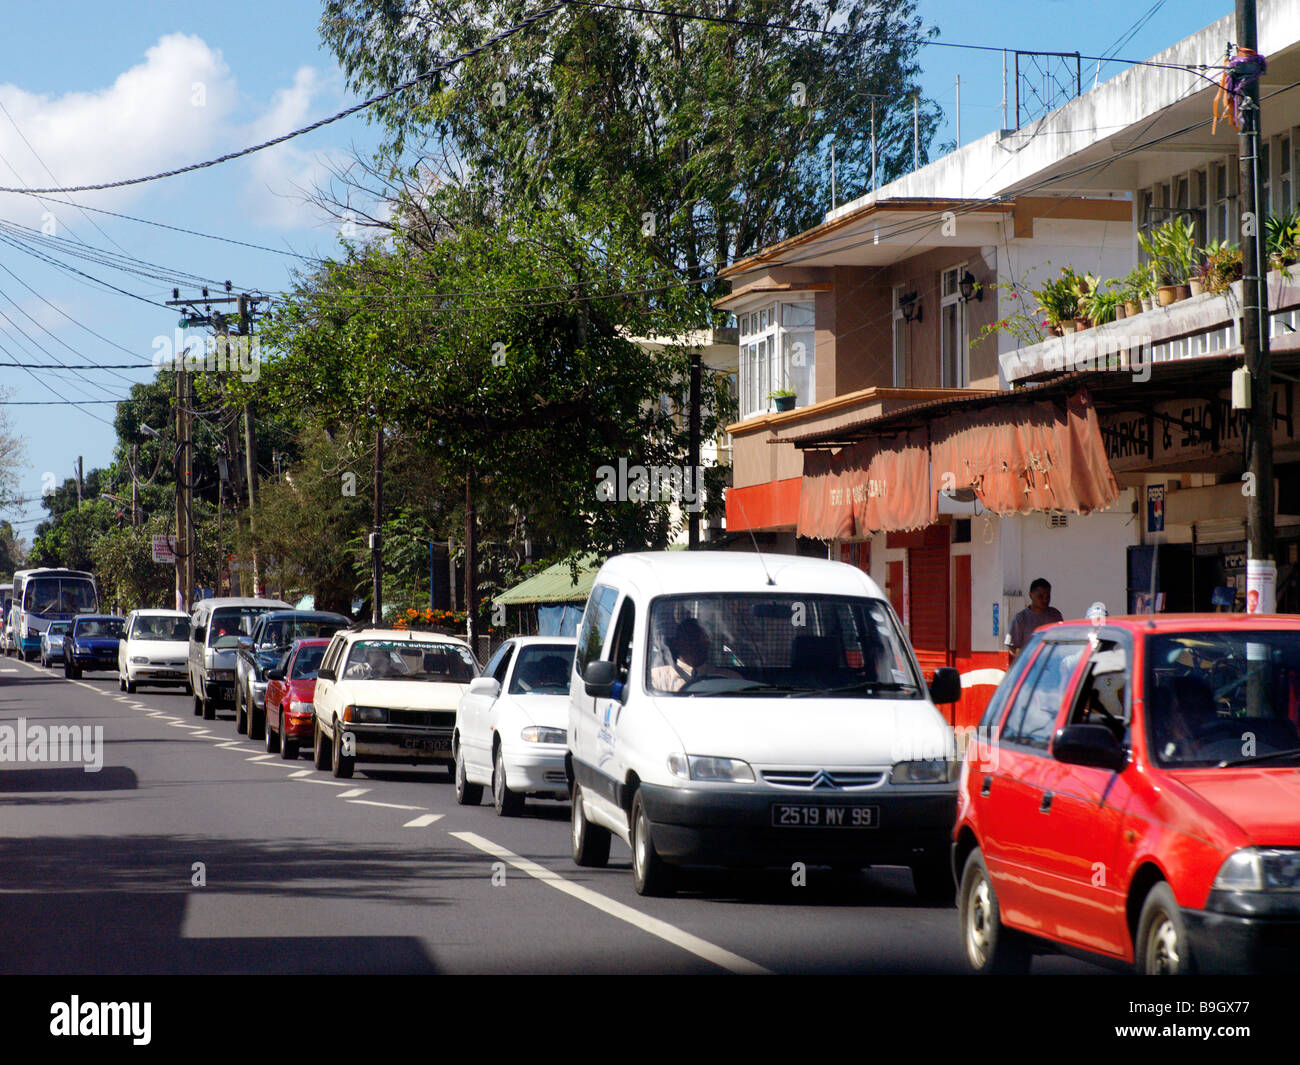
point(52, 642)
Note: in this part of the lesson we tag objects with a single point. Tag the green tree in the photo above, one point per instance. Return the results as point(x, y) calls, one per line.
point(718, 133)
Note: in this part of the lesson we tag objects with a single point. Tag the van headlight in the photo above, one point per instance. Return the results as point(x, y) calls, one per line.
point(932, 771)
point(708, 767)
point(366, 715)
point(1260, 869)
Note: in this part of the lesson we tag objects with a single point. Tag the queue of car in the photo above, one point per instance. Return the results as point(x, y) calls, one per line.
point(1131, 794)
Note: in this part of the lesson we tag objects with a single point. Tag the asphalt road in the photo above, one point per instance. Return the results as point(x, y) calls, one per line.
point(193, 851)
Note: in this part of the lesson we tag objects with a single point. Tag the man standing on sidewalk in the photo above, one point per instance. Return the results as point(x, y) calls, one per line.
point(1038, 613)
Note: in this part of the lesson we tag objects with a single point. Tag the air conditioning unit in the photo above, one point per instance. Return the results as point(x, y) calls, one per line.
point(1058, 521)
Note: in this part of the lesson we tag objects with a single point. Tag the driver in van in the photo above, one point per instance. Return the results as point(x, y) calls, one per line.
point(689, 646)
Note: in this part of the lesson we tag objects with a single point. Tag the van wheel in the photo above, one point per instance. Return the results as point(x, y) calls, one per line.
point(320, 752)
point(209, 707)
point(241, 712)
point(932, 879)
point(508, 803)
point(990, 946)
point(1162, 945)
point(198, 703)
point(256, 720)
point(650, 874)
point(130, 687)
point(467, 794)
point(590, 842)
point(342, 764)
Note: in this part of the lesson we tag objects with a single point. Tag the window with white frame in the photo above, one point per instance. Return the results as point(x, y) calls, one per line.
point(900, 339)
point(776, 354)
point(1200, 204)
point(952, 331)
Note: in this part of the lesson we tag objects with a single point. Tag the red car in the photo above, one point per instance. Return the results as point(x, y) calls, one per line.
point(290, 689)
point(1133, 793)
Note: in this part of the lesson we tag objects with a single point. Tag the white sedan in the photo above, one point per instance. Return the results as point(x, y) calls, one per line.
point(510, 725)
point(155, 651)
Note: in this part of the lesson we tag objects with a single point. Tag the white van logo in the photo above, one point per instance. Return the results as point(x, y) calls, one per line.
point(822, 779)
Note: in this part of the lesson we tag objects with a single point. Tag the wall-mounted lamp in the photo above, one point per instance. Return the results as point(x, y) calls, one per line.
point(910, 306)
point(969, 288)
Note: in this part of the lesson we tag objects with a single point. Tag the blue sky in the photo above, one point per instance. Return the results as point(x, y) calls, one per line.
point(106, 92)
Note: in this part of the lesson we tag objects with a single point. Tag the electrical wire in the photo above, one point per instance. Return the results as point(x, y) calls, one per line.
point(433, 72)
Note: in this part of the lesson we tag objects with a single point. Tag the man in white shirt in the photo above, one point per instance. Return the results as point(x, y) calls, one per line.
point(1038, 613)
point(689, 646)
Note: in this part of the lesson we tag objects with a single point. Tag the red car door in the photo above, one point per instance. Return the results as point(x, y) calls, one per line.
point(1014, 830)
point(1083, 873)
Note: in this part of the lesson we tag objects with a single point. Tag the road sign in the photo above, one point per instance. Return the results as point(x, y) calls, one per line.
point(164, 548)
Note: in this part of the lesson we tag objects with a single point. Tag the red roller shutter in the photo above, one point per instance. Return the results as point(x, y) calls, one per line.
point(928, 580)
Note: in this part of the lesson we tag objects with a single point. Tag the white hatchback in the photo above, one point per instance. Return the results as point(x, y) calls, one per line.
point(510, 725)
point(732, 709)
point(155, 651)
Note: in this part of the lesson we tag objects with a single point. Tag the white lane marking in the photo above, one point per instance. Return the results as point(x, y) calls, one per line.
point(184, 724)
point(300, 773)
point(232, 745)
point(701, 948)
point(387, 805)
point(11, 670)
point(317, 780)
point(261, 757)
point(423, 821)
point(352, 793)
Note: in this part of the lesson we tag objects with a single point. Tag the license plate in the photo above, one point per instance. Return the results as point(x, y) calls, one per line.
point(802, 815)
point(418, 743)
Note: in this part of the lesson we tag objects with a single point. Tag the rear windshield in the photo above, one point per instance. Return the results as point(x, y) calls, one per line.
point(101, 627)
point(777, 644)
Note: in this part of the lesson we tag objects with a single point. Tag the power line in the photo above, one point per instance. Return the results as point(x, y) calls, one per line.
point(428, 75)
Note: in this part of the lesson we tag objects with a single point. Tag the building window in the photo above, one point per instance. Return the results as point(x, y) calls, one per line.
point(952, 331)
point(1265, 180)
point(1200, 205)
point(900, 339)
point(777, 346)
point(1284, 201)
point(1224, 223)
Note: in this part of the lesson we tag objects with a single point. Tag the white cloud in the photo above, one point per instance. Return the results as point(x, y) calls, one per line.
point(282, 177)
point(165, 111)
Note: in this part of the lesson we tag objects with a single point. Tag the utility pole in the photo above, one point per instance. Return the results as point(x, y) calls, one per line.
point(693, 458)
point(916, 131)
point(135, 486)
point(1261, 564)
point(957, 109)
point(377, 536)
point(79, 476)
point(471, 577)
point(250, 438)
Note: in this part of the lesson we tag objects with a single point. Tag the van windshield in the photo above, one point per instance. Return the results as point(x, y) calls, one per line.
point(778, 645)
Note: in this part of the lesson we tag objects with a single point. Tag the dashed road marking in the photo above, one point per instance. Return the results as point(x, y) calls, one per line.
point(423, 821)
point(387, 805)
point(352, 793)
point(701, 948)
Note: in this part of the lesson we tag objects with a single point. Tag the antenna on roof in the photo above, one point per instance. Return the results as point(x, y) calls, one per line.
point(754, 540)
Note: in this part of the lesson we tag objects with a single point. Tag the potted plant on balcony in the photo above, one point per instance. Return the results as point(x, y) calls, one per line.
point(1105, 304)
point(1133, 287)
point(1282, 240)
point(1222, 266)
point(782, 399)
point(1171, 249)
point(1059, 301)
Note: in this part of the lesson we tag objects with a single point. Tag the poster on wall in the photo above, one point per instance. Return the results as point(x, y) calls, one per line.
point(1155, 508)
point(1261, 586)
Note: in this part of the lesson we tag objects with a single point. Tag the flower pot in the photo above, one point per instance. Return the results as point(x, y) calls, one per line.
point(1146, 303)
point(1068, 325)
point(1133, 308)
point(1197, 286)
point(1183, 292)
point(1167, 294)
point(783, 403)
point(1120, 311)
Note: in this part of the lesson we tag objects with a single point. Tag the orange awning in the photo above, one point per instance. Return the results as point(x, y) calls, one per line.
point(867, 487)
point(1027, 457)
point(1018, 457)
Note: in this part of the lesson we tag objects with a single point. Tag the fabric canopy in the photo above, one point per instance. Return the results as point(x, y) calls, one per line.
point(1018, 457)
point(1027, 457)
point(866, 487)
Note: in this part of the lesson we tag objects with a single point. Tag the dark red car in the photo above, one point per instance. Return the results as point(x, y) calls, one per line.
point(1133, 793)
point(290, 689)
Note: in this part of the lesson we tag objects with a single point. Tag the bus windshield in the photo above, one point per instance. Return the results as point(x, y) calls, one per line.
point(60, 595)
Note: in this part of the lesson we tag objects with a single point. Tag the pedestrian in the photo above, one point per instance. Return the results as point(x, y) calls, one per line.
point(1038, 613)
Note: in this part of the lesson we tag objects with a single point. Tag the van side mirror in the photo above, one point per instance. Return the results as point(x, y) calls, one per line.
point(598, 679)
point(945, 686)
point(245, 644)
point(275, 674)
point(1091, 745)
point(488, 686)
point(325, 674)
point(198, 634)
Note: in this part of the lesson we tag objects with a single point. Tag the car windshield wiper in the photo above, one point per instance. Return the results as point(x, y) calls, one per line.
point(861, 686)
point(750, 686)
point(1293, 752)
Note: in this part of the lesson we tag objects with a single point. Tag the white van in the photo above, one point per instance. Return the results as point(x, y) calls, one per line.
point(215, 629)
point(732, 709)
